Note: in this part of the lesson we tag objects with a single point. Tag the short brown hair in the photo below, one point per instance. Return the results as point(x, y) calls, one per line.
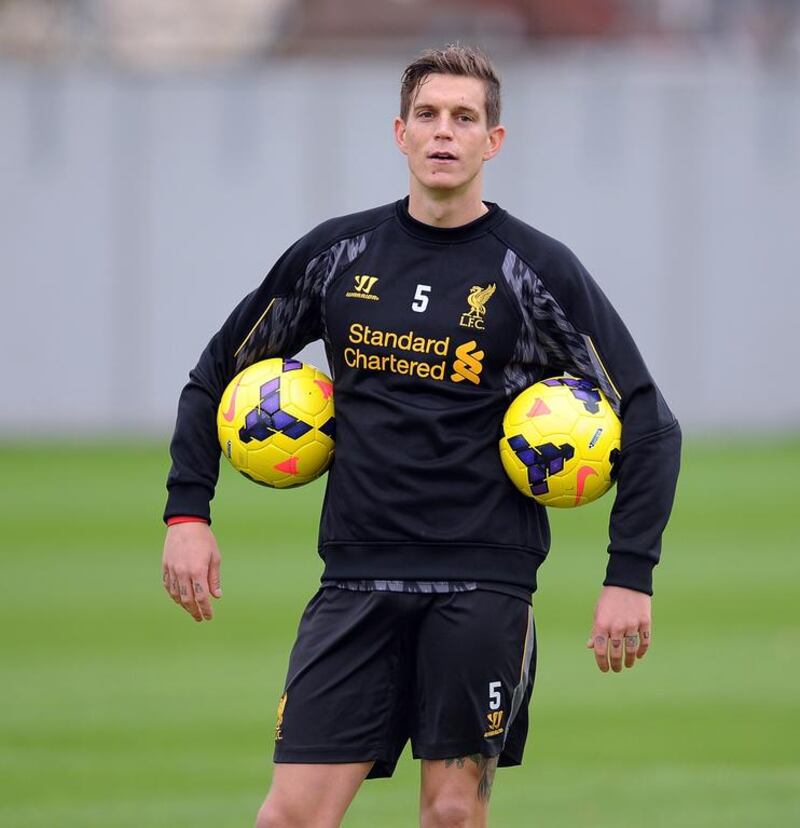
point(454, 59)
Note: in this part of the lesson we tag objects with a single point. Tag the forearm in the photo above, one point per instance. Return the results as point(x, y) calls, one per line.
point(195, 453)
point(647, 477)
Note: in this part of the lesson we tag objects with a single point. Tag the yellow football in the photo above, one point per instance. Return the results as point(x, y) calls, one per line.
point(561, 441)
point(276, 423)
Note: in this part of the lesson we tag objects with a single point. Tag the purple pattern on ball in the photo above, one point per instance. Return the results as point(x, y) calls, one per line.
point(296, 430)
point(541, 461)
point(271, 404)
point(582, 390)
point(281, 420)
point(268, 418)
point(328, 428)
point(268, 387)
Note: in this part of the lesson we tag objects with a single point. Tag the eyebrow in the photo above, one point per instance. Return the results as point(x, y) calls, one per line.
point(459, 108)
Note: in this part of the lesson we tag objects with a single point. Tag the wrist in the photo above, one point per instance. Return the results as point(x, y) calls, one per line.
point(176, 519)
point(630, 572)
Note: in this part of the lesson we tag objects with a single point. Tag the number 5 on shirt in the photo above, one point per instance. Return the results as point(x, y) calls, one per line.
point(420, 302)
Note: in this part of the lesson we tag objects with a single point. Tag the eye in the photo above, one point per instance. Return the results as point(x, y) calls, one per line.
point(465, 118)
point(425, 113)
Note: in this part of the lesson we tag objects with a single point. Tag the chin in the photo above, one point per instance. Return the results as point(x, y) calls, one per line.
point(443, 182)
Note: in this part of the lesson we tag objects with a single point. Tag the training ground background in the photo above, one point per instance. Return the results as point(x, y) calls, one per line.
point(136, 207)
point(119, 710)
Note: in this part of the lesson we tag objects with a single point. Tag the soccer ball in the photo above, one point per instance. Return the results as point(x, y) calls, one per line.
point(276, 424)
point(561, 442)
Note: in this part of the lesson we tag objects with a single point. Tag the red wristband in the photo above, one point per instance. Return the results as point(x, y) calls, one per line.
point(185, 519)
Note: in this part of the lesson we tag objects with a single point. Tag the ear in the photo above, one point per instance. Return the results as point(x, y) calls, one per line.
point(400, 134)
point(494, 140)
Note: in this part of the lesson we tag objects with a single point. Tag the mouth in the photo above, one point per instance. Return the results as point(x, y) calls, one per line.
point(442, 157)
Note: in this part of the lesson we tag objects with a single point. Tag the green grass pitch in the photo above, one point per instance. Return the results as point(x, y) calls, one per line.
point(117, 710)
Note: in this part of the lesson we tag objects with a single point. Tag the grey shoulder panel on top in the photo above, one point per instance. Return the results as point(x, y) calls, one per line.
point(547, 339)
point(298, 316)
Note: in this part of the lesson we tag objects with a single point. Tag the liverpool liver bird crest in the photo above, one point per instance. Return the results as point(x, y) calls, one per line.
point(478, 297)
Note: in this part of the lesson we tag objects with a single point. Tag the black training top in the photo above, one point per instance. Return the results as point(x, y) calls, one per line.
point(422, 379)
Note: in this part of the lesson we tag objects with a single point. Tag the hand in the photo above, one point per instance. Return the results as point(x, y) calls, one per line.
point(622, 626)
point(190, 568)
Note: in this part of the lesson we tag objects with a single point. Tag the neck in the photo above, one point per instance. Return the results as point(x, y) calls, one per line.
point(445, 208)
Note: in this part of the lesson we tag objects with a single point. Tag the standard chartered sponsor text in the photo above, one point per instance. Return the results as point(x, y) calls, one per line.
point(408, 342)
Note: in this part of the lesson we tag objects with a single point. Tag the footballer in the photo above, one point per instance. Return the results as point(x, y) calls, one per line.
point(435, 311)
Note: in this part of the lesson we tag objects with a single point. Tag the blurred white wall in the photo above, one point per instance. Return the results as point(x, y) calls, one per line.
point(136, 210)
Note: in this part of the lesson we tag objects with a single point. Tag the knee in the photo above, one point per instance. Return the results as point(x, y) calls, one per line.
point(275, 813)
point(448, 811)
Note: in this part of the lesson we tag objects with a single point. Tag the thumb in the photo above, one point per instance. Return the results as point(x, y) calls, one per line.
point(214, 584)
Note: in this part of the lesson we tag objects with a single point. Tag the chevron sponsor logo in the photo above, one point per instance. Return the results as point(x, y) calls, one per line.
point(468, 364)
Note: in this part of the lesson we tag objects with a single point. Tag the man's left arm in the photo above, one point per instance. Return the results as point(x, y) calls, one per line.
point(579, 331)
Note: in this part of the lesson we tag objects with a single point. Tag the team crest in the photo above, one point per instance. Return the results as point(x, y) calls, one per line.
point(477, 298)
point(279, 718)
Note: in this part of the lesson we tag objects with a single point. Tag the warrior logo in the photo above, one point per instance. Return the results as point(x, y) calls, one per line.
point(495, 724)
point(362, 288)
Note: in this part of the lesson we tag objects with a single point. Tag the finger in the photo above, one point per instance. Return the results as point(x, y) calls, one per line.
point(600, 646)
point(214, 583)
point(202, 599)
point(173, 589)
point(187, 598)
point(615, 650)
point(631, 647)
point(644, 641)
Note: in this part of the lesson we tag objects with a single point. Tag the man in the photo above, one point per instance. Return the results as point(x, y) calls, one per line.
point(423, 626)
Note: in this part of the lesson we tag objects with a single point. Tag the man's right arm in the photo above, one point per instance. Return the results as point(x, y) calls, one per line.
point(278, 318)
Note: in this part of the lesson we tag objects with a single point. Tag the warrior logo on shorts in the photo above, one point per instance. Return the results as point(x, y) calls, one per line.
point(279, 719)
point(495, 723)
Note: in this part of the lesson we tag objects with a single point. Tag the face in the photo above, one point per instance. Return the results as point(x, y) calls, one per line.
point(445, 136)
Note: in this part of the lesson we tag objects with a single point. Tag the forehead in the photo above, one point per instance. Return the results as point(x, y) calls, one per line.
point(450, 91)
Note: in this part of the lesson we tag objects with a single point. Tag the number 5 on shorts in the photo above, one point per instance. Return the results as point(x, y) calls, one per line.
point(494, 694)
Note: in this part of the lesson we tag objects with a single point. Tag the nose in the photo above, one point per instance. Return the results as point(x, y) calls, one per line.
point(444, 128)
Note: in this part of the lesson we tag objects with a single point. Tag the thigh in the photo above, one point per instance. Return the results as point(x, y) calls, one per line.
point(475, 653)
point(343, 694)
point(315, 795)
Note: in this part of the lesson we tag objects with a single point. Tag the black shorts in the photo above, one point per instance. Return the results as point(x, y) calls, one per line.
point(369, 670)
